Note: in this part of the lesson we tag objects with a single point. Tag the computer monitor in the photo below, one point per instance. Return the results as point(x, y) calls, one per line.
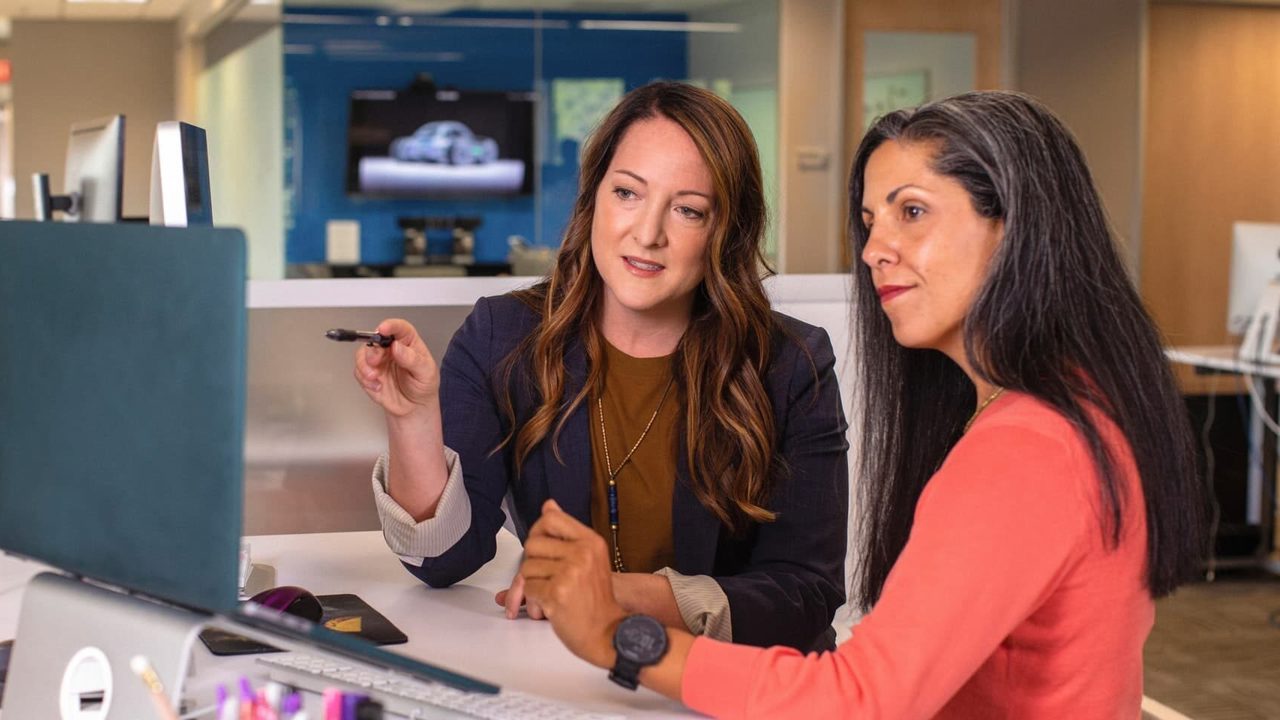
point(1254, 297)
point(121, 461)
point(94, 179)
point(121, 454)
point(180, 194)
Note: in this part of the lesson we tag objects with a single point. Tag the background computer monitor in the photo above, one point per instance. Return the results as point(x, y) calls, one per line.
point(93, 183)
point(180, 195)
point(1255, 262)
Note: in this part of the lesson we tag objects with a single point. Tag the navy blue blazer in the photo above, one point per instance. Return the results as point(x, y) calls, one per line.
point(784, 579)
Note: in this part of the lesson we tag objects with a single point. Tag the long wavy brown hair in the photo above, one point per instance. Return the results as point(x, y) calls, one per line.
point(720, 363)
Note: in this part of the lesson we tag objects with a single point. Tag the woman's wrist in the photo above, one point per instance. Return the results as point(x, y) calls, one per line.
point(603, 655)
point(418, 469)
point(419, 418)
point(618, 589)
point(649, 594)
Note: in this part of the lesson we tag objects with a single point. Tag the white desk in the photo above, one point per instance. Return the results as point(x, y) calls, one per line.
point(1262, 481)
point(14, 575)
point(1220, 357)
point(459, 627)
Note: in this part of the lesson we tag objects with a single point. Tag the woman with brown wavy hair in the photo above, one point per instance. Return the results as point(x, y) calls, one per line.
point(647, 387)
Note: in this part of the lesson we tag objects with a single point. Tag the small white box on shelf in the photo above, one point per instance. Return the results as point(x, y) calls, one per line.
point(342, 242)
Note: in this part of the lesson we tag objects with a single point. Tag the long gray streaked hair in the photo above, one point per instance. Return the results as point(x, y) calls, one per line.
point(1057, 317)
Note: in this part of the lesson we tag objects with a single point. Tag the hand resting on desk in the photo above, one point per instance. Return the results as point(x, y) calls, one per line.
point(646, 593)
point(566, 571)
point(513, 597)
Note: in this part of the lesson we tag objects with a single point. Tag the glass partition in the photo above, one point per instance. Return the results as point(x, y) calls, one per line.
point(906, 69)
point(432, 143)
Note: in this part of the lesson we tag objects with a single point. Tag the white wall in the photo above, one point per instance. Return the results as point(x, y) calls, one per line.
point(241, 106)
point(811, 172)
point(748, 60)
point(69, 71)
point(1086, 60)
point(951, 59)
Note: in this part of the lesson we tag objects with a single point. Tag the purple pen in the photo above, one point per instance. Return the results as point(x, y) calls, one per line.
point(291, 705)
point(228, 706)
point(247, 697)
point(349, 703)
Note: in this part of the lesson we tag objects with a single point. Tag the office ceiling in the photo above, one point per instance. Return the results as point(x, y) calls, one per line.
point(170, 9)
point(63, 10)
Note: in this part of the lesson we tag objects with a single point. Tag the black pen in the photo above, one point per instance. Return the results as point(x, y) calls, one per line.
point(370, 338)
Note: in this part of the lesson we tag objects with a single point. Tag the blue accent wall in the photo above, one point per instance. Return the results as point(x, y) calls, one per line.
point(325, 61)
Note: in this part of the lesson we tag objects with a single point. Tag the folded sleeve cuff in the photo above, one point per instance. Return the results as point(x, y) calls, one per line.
point(415, 541)
point(703, 605)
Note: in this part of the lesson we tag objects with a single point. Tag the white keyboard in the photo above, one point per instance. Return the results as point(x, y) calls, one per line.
point(413, 698)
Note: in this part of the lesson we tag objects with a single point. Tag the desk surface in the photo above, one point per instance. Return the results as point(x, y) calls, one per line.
point(459, 627)
point(1220, 357)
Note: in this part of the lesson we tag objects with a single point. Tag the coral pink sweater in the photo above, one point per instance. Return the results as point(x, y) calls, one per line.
point(1005, 603)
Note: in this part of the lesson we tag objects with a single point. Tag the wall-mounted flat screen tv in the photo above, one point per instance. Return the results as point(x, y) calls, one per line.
point(440, 143)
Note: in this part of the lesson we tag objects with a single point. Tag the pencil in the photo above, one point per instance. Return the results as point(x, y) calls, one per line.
point(142, 668)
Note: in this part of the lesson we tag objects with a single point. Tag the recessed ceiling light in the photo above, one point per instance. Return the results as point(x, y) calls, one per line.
point(660, 26)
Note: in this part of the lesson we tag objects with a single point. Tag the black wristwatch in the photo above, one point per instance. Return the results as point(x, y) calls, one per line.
point(641, 641)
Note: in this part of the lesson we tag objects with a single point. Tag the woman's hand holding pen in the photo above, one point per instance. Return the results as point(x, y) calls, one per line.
point(403, 378)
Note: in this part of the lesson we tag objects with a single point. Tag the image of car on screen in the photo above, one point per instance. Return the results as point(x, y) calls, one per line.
point(447, 142)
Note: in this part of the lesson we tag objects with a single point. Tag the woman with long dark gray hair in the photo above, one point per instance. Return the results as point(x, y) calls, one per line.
point(1027, 466)
point(647, 386)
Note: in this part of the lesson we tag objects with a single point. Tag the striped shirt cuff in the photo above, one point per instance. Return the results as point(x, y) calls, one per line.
point(703, 605)
point(415, 541)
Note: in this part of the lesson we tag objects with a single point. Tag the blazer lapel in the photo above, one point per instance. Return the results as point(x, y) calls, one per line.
point(695, 530)
point(570, 483)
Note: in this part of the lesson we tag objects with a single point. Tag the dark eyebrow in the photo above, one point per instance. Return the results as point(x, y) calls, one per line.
point(639, 179)
point(893, 195)
point(642, 181)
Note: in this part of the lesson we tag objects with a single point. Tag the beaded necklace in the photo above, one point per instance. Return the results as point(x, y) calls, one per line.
point(613, 473)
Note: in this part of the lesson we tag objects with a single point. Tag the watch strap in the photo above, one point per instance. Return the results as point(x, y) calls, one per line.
point(625, 673)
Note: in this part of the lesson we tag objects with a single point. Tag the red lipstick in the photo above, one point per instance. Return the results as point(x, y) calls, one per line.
point(889, 292)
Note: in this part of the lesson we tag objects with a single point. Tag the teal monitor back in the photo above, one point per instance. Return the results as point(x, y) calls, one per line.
point(122, 382)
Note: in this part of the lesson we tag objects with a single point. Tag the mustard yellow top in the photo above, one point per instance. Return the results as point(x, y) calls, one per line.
point(633, 388)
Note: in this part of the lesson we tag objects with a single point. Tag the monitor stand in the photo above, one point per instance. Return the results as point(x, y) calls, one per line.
point(47, 203)
point(74, 645)
point(1259, 344)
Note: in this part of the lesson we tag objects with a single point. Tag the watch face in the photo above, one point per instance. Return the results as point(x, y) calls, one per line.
point(641, 639)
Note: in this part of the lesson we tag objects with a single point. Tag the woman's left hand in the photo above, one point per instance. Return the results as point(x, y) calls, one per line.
point(566, 571)
point(513, 597)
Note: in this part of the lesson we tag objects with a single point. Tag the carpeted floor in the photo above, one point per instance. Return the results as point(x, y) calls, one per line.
point(1214, 653)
